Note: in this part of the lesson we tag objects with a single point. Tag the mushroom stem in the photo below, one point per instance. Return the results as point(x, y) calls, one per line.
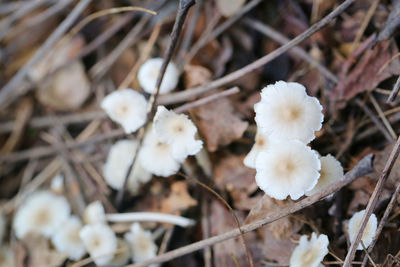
point(150, 217)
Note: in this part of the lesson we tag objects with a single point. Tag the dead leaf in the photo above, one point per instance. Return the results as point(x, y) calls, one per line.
point(196, 75)
point(39, 252)
point(218, 123)
point(366, 74)
point(67, 89)
point(229, 7)
point(178, 200)
point(223, 221)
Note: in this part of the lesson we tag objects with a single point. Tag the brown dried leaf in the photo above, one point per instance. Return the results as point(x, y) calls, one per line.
point(196, 75)
point(218, 123)
point(368, 72)
point(178, 200)
point(39, 252)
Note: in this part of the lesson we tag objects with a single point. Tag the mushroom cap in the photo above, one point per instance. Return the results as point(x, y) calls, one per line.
point(287, 168)
point(178, 131)
point(141, 242)
point(310, 253)
point(260, 144)
point(57, 184)
point(121, 258)
point(148, 73)
point(117, 164)
point(369, 231)
point(126, 107)
point(66, 239)
point(330, 173)
point(287, 112)
point(42, 212)
point(100, 241)
point(156, 157)
point(94, 213)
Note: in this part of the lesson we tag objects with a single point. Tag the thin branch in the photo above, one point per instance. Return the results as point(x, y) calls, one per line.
point(372, 202)
point(184, 6)
point(395, 91)
point(382, 222)
point(150, 217)
point(362, 168)
point(195, 91)
point(9, 92)
point(297, 50)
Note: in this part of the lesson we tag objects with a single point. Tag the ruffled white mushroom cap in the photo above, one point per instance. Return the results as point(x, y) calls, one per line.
point(287, 112)
point(178, 131)
point(261, 144)
point(331, 172)
point(310, 253)
point(123, 256)
point(287, 168)
point(42, 212)
point(94, 213)
point(2, 227)
point(117, 164)
point(141, 242)
point(156, 157)
point(126, 107)
point(57, 184)
point(148, 73)
point(66, 239)
point(369, 231)
point(100, 241)
point(6, 256)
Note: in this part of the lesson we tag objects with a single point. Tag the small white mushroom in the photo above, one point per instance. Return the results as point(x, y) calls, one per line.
point(94, 213)
point(126, 107)
point(287, 112)
point(156, 156)
point(100, 241)
point(141, 242)
point(66, 239)
point(310, 253)
point(261, 144)
point(178, 131)
point(118, 161)
point(57, 184)
point(287, 168)
point(42, 212)
point(331, 172)
point(369, 231)
point(123, 255)
point(148, 73)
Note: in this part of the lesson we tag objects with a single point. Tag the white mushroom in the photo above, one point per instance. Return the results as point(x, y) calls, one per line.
point(57, 184)
point(94, 213)
point(42, 212)
point(369, 231)
point(123, 255)
point(66, 239)
point(156, 157)
point(310, 253)
point(287, 168)
point(141, 242)
point(118, 161)
point(100, 241)
point(148, 73)
point(178, 131)
point(331, 172)
point(261, 144)
point(126, 107)
point(287, 112)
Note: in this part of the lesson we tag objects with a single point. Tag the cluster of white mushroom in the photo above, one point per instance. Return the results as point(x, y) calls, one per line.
point(48, 214)
point(287, 119)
